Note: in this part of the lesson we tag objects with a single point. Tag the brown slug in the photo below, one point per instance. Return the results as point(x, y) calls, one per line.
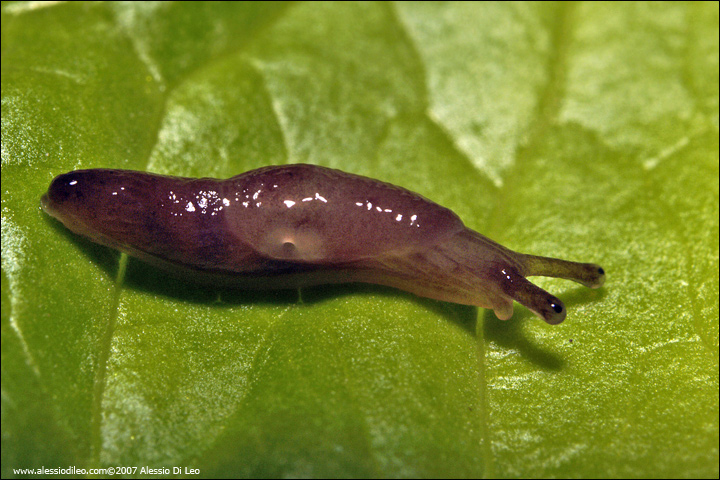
point(299, 225)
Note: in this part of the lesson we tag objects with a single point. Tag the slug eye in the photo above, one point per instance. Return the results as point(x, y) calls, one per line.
point(555, 311)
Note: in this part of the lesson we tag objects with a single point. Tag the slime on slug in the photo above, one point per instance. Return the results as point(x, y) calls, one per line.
point(299, 225)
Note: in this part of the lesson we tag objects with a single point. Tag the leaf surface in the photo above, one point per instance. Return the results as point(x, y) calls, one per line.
point(580, 131)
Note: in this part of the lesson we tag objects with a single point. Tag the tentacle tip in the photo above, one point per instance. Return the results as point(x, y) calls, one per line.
point(554, 313)
point(504, 312)
point(600, 278)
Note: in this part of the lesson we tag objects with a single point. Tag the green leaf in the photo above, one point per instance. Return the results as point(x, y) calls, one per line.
point(581, 131)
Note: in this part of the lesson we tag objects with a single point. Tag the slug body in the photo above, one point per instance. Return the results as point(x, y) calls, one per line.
point(299, 225)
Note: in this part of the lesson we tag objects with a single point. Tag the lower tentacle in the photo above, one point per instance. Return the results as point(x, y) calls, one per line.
point(543, 304)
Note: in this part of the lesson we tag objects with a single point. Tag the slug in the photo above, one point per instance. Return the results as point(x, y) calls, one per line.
point(299, 225)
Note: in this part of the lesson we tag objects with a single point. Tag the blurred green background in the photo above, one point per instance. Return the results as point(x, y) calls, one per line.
point(585, 131)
